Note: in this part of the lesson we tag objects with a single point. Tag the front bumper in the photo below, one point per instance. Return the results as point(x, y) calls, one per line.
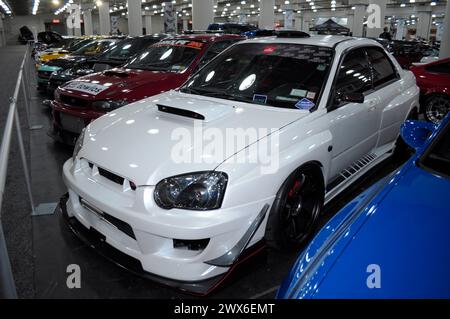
point(132, 225)
point(68, 122)
point(97, 241)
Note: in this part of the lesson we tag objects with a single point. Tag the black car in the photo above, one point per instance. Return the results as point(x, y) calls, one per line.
point(113, 57)
point(49, 37)
point(91, 50)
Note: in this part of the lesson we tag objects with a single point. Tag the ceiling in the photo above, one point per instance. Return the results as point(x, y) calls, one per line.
point(23, 7)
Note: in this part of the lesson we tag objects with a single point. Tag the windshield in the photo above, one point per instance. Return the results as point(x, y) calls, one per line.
point(437, 157)
point(94, 48)
point(168, 56)
point(278, 75)
point(79, 44)
point(126, 49)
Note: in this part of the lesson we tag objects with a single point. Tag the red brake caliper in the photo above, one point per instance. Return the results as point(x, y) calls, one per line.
point(294, 189)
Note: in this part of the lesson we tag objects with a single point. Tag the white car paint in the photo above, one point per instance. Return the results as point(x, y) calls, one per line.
point(134, 142)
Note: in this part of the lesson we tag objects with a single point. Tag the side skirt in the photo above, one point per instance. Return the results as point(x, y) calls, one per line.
point(357, 169)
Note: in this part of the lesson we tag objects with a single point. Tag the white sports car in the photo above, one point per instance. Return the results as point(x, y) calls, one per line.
point(181, 185)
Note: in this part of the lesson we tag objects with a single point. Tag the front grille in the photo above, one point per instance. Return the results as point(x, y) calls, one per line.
point(111, 176)
point(108, 175)
point(44, 74)
point(55, 83)
point(74, 101)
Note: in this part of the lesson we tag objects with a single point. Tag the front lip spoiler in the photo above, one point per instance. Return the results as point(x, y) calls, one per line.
point(95, 240)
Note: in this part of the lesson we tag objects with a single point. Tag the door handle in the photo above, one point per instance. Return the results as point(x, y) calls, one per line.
point(372, 105)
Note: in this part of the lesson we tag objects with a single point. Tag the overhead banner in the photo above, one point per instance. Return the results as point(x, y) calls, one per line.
point(289, 19)
point(114, 24)
point(170, 18)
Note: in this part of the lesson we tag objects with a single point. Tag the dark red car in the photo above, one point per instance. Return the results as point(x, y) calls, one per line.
point(434, 82)
point(164, 66)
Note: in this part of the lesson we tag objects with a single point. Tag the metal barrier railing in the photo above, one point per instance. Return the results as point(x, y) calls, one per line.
point(7, 284)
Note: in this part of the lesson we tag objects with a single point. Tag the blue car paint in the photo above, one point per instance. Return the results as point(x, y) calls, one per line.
point(401, 224)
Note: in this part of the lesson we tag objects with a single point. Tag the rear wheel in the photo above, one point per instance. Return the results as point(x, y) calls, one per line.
point(296, 209)
point(436, 108)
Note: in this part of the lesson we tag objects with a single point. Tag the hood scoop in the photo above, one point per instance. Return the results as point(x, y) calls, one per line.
point(180, 112)
point(195, 108)
point(116, 73)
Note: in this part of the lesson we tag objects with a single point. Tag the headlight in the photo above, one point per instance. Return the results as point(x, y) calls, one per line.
point(78, 145)
point(68, 72)
point(109, 105)
point(196, 191)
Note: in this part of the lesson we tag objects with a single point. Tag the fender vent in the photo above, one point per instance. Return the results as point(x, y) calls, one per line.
point(180, 112)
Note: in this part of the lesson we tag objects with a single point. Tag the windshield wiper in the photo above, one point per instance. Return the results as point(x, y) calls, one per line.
point(217, 94)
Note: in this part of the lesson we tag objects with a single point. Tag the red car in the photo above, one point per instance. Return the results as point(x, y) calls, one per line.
point(434, 82)
point(164, 66)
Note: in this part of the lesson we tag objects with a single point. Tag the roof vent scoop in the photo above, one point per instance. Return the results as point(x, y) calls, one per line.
point(180, 112)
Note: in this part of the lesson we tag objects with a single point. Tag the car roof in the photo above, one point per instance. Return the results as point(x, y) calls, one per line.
point(209, 37)
point(319, 40)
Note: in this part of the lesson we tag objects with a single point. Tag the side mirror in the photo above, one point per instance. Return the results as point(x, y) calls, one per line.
point(415, 133)
point(349, 97)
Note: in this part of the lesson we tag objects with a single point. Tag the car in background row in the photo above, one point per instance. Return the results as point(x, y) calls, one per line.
point(65, 44)
point(409, 52)
point(91, 50)
point(59, 51)
point(158, 182)
point(164, 66)
point(433, 80)
point(113, 57)
point(392, 240)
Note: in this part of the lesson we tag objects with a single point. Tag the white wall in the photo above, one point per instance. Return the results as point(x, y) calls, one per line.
point(14, 23)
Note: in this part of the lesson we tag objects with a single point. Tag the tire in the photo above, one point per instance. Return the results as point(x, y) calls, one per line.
point(295, 212)
point(403, 151)
point(436, 107)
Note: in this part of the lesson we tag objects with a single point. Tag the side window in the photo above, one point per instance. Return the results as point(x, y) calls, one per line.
point(383, 70)
point(354, 73)
point(214, 50)
point(442, 68)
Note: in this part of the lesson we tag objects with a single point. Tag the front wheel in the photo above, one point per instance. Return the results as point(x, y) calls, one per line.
point(296, 209)
point(436, 108)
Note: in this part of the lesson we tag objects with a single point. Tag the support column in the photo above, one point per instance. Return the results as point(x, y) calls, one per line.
point(105, 20)
point(358, 20)
point(423, 25)
point(69, 25)
point(135, 17)
point(445, 43)
point(185, 23)
point(148, 24)
point(77, 20)
point(267, 14)
point(202, 14)
point(401, 29)
point(298, 24)
point(87, 18)
point(375, 31)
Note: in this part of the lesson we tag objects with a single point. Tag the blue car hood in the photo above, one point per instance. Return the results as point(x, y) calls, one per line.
point(407, 236)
